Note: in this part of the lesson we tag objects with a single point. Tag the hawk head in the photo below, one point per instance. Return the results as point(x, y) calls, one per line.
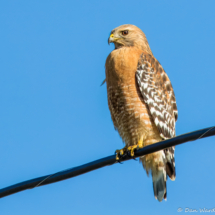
point(127, 36)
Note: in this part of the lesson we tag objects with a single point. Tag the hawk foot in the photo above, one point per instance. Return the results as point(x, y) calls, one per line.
point(129, 150)
point(120, 153)
point(133, 148)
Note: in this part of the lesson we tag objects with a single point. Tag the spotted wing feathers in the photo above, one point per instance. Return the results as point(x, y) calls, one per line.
point(158, 94)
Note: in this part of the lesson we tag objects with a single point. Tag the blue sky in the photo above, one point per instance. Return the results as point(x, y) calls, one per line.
point(54, 114)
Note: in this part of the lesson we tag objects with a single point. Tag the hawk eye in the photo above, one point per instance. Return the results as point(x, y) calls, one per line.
point(124, 33)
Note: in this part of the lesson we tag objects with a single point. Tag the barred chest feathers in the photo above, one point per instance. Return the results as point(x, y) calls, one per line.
point(129, 112)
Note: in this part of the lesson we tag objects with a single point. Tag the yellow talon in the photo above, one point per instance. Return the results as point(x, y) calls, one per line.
point(131, 149)
point(120, 152)
point(139, 145)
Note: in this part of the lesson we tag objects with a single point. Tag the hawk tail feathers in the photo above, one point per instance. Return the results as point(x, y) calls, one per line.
point(170, 162)
point(170, 170)
point(159, 184)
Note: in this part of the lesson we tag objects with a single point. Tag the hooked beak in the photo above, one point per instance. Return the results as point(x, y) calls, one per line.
point(112, 39)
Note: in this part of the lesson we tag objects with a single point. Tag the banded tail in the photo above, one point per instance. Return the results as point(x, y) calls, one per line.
point(159, 176)
point(162, 165)
point(159, 184)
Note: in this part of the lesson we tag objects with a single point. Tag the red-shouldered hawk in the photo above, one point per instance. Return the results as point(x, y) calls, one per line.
point(142, 102)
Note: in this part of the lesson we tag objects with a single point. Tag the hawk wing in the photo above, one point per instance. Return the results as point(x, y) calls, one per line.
point(158, 94)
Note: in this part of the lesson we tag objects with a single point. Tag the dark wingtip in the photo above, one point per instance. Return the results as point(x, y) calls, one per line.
point(170, 170)
point(103, 82)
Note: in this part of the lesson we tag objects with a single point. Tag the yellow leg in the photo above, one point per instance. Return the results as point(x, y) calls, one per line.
point(131, 149)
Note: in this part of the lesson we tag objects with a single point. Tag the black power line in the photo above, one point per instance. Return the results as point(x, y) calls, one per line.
point(72, 172)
